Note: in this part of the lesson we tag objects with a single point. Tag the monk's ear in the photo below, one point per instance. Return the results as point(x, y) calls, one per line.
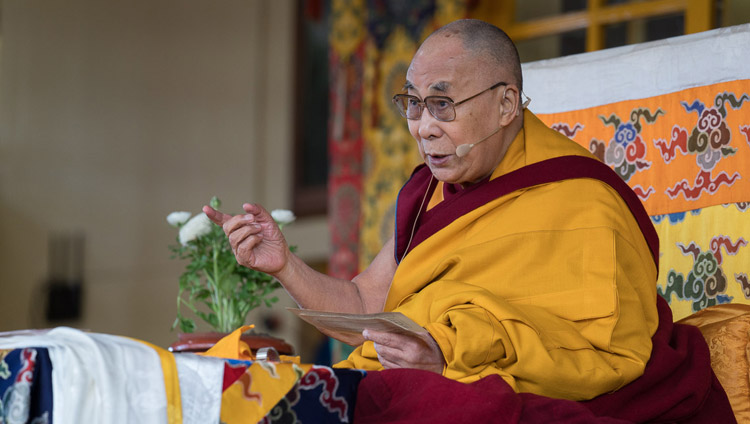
point(510, 105)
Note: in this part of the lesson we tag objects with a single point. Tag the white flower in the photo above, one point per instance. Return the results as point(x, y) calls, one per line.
point(176, 219)
point(283, 216)
point(198, 225)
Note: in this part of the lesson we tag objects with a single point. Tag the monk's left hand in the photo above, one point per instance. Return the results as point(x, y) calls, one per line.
point(402, 351)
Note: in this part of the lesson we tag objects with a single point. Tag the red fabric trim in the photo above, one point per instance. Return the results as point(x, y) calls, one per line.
point(678, 386)
point(547, 171)
point(407, 206)
point(231, 374)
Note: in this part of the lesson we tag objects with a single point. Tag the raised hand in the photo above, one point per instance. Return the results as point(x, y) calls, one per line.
point(256, 240)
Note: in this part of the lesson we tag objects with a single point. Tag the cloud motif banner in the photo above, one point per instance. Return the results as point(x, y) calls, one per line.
point(686, 154)
point(679, 151)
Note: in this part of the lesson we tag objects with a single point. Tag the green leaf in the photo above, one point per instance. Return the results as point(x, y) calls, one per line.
point(187, 325)
point(215, 202)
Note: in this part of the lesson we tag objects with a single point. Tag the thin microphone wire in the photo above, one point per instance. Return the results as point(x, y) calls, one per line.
point(419, 211)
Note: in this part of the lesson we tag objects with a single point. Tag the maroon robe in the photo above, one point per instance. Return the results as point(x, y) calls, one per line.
point(678, 384)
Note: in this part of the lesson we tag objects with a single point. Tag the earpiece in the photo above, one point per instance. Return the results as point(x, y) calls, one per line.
point(525, 104)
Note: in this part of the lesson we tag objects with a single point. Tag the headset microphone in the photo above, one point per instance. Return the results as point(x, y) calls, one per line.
point(464, 149)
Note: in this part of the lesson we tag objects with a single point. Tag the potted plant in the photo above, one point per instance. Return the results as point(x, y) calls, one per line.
point(213, 286)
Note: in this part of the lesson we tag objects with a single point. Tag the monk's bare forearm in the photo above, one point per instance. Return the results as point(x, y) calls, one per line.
point(365, 293)
point(314, 290)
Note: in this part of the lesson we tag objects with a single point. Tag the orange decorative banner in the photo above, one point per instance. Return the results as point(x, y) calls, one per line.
point(679, 151)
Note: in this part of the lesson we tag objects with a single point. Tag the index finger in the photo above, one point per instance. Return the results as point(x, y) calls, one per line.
point(218, 217)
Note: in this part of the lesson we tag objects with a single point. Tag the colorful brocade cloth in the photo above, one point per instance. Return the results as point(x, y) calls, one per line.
point(285, 391)
point(25, 386)
point(288, 392)
point(65, 375)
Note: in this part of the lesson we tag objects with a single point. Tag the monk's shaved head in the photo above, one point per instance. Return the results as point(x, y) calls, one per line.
point(486, 41)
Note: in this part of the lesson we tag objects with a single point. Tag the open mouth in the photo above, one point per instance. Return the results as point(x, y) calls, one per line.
point(437, 155)
point(438, 159)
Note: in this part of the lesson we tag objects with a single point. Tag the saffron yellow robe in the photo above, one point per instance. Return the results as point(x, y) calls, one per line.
point(552, 287)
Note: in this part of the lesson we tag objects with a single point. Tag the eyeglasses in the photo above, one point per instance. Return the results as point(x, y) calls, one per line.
point(441, 107)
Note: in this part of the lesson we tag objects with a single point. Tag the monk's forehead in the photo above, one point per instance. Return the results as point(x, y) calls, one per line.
point(442, 64)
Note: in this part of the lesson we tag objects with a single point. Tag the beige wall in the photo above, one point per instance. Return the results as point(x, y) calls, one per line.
point(115, 113)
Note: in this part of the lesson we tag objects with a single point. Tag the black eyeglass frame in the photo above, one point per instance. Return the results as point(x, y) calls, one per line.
point(397, 100)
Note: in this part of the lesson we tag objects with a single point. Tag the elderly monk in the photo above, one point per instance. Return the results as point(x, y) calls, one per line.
point(549, 285)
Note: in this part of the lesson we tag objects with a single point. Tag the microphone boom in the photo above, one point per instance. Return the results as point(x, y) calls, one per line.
point(464, 149)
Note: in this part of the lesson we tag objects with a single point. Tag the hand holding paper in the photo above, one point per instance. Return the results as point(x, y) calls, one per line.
point(416, 351)
point(348, 328)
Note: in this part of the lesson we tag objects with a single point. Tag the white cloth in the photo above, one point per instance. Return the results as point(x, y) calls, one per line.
point(99, 378)
point(201, 380)
point(638, 71)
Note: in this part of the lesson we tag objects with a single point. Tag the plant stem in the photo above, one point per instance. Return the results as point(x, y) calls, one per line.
point(189, 305)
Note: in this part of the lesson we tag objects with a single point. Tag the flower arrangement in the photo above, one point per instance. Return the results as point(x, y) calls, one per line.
point(212, 278)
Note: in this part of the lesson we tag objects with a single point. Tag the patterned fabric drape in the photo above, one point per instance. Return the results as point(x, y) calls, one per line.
point(347, 42)
point(71, 376)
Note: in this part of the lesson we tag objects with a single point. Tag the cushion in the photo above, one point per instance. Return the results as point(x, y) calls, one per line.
point(726, 329)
